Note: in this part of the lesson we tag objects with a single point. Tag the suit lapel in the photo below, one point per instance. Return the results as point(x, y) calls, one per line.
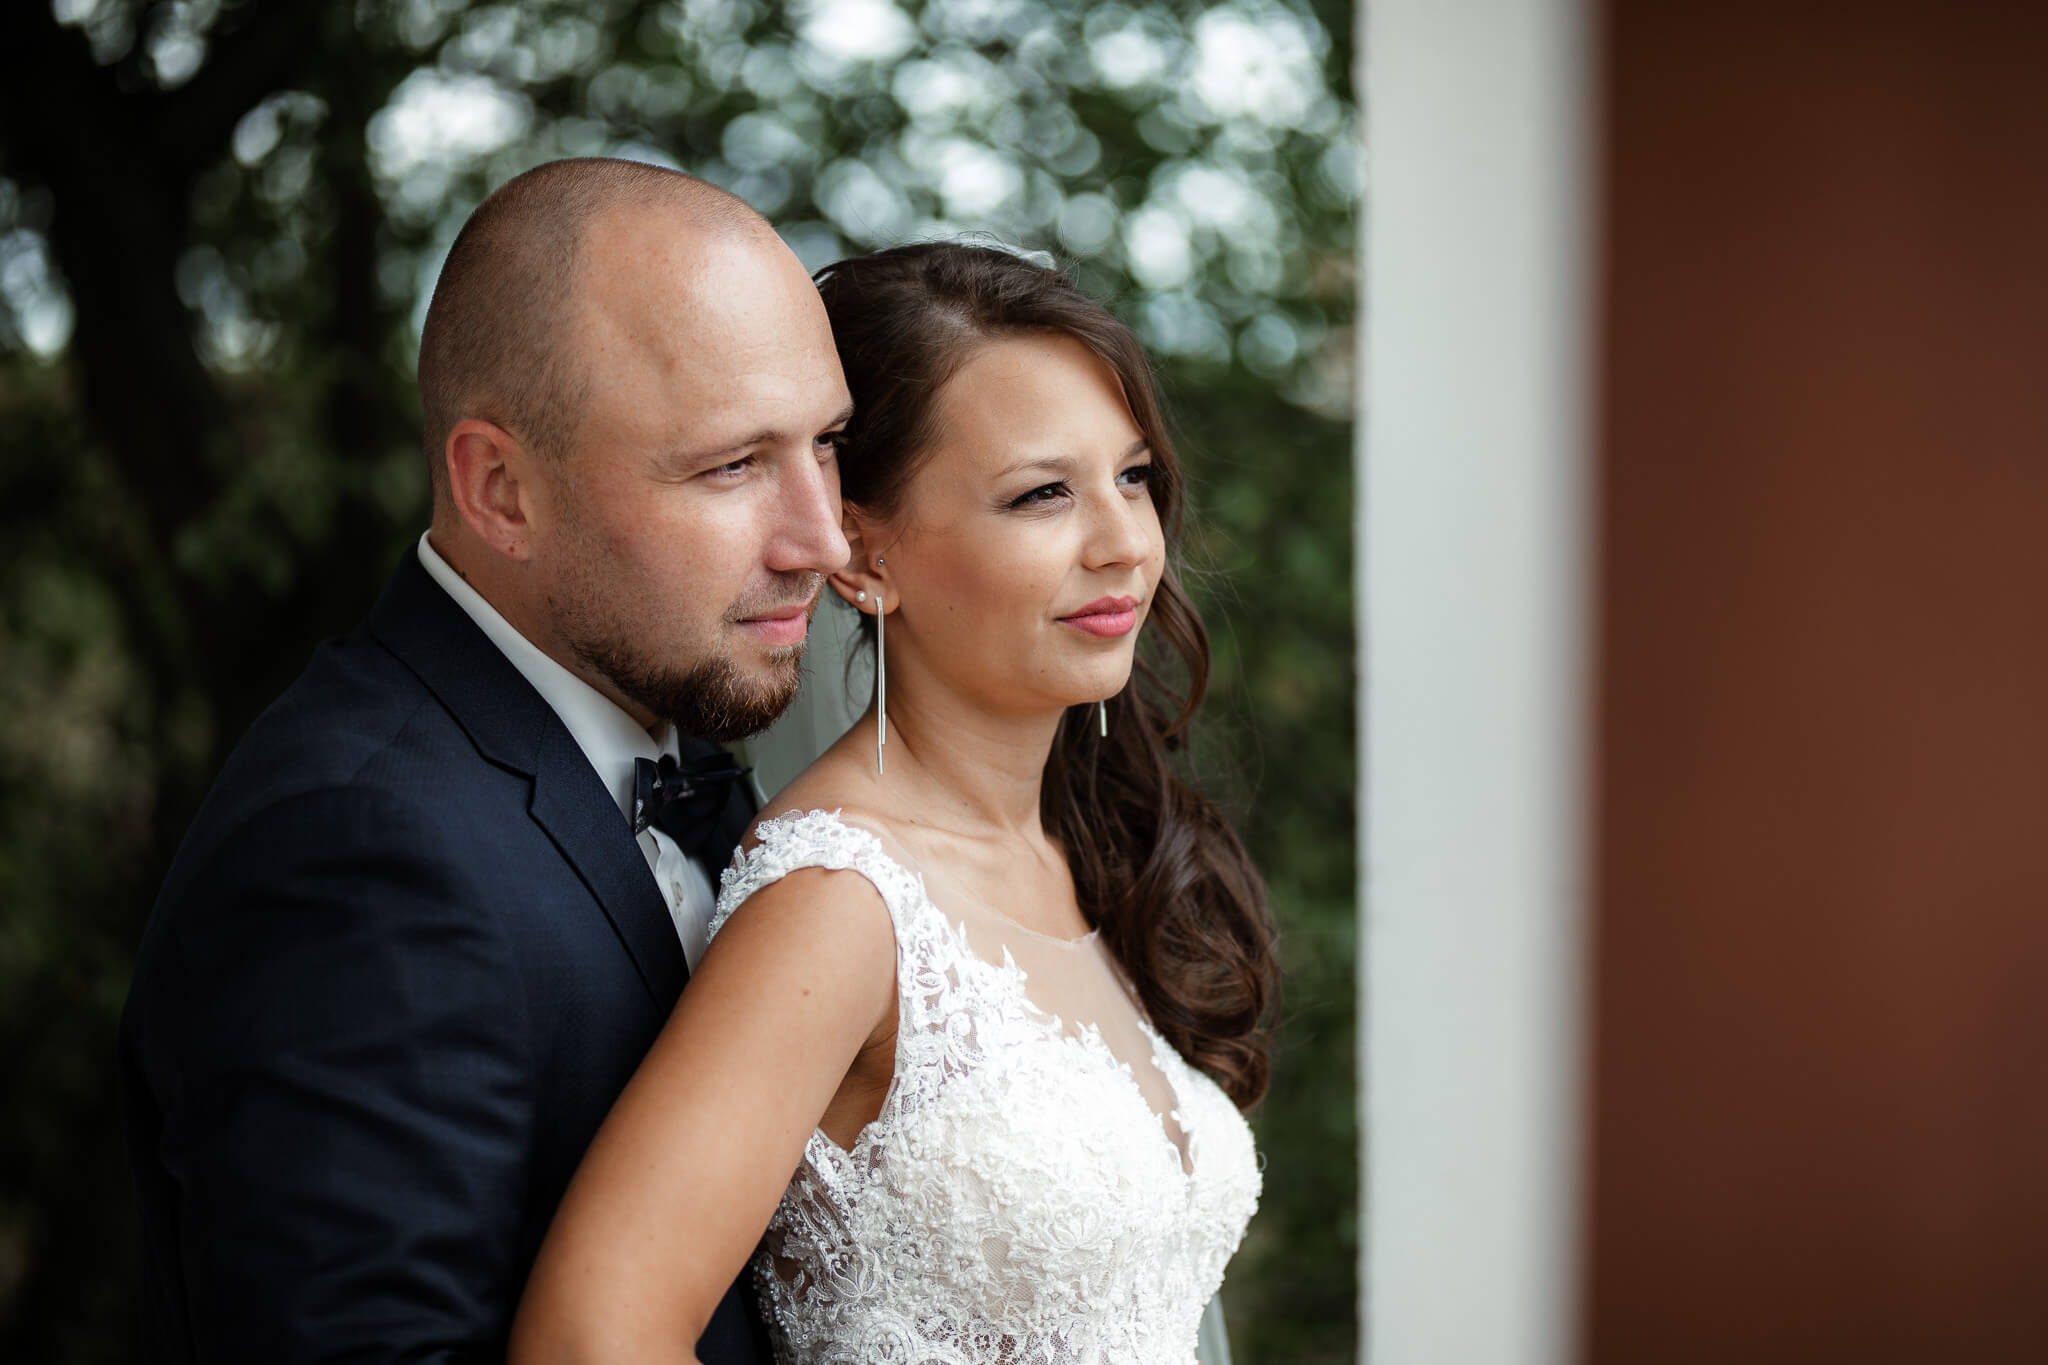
point(597, 841)
point(513, 727)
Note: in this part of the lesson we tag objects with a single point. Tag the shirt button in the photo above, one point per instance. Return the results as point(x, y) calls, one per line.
point(675, 891)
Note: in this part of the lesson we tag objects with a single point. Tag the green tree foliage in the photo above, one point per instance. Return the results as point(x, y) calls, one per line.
point(218, 223)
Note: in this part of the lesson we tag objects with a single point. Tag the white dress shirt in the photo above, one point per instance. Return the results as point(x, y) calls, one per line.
point(609, 738)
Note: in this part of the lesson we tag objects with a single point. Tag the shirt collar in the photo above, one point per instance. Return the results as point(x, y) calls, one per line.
point(608, 737)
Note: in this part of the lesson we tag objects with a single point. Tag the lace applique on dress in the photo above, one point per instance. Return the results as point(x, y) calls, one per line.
point(1037, 1189)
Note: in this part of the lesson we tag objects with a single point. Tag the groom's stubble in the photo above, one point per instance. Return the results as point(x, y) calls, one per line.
point(697, 683)
point(706, 693)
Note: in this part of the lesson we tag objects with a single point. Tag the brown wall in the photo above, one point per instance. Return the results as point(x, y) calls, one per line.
point(1820, 1070)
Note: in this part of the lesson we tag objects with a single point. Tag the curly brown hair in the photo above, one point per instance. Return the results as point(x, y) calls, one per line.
point(1156, 867)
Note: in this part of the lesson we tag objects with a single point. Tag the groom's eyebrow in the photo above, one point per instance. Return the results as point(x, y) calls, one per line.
point(767, 436)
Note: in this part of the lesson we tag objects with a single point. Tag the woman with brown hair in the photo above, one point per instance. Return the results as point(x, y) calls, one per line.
point(991, 981)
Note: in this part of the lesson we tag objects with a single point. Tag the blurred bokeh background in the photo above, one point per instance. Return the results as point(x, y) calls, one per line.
point(219, 223)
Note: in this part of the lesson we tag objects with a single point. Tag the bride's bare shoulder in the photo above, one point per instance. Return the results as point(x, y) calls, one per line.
point(832, 783)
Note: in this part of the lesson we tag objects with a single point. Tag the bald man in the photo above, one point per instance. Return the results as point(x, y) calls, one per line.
point(449, 886)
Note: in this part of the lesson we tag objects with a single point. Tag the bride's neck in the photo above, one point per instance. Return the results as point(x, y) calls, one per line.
point(963, 765)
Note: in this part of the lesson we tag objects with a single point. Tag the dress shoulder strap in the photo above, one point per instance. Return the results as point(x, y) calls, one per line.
point(820, 838)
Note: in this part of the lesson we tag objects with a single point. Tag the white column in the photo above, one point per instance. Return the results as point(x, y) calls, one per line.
point(1472, 528)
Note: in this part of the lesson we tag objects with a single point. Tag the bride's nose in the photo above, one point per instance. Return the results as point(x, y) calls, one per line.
point(1121, 530)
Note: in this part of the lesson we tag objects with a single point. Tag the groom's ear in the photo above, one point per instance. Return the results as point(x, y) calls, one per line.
point(490, 482)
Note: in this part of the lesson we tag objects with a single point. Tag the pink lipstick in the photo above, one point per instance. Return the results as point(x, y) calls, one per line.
point(1107, 617)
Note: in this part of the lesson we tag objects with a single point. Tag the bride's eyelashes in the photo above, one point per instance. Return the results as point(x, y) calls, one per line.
point(1041, 495)
point(1137, 476)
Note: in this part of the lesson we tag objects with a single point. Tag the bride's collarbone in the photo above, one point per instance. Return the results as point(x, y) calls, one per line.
point(1021, 877)
point(1027, 886)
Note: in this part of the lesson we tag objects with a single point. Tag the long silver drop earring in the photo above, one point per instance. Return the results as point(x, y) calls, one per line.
point(1102, 711)
point(881, 682)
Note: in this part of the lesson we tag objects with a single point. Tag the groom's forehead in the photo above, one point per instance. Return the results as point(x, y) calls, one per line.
point(731, 369)
point(758, 411)
point(696, 304)
point(656, 251)
point(694, 395)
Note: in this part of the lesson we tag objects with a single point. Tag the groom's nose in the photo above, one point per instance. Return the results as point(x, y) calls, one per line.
point(808, 538)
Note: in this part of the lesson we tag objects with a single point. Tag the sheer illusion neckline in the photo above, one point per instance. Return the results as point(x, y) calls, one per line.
point(1078, 941)
point(982, 903)
point(1084, 1037)
point(1084, 1034)
point(1087, 1036)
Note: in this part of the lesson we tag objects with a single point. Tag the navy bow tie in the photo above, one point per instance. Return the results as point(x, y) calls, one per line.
point(684, 799)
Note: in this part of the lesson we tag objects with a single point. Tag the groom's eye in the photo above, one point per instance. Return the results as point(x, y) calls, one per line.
point(830, 442)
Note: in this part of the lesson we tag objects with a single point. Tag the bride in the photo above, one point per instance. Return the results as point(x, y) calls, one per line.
point(989, 986)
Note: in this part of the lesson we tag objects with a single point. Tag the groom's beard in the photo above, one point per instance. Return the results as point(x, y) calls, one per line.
point(710, 697)
point(712, 701)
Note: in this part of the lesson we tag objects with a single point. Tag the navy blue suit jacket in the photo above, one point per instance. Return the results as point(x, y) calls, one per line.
point(405, 959)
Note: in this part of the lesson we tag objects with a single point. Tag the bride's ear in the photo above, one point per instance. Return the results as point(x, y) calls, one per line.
point(863, 582)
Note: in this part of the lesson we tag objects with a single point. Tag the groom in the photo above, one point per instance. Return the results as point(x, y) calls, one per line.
point(447, 889)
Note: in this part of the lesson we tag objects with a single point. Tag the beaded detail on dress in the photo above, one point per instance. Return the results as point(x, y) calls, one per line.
point(1018, 1201)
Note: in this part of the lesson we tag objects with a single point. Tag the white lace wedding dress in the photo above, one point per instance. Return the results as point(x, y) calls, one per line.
point(1047, 1183)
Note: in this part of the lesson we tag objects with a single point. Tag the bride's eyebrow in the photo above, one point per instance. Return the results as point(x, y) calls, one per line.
point(1048, 464)
point(1064, 466)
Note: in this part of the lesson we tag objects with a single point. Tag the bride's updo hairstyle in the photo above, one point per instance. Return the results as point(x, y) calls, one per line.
point(1156, 867)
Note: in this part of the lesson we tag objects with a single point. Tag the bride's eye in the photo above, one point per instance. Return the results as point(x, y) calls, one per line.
point(1044, 493)
point(1137, 476)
